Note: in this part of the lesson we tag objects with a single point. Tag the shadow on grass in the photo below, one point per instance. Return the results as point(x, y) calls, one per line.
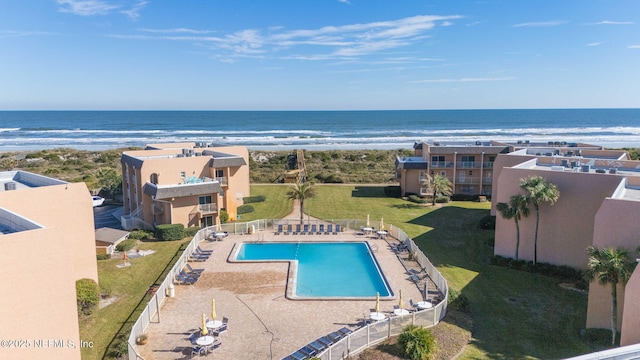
point(370, 191)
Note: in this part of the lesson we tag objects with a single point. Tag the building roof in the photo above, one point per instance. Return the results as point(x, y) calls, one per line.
point(181, 190)
point(234, 161)
point(108, 236)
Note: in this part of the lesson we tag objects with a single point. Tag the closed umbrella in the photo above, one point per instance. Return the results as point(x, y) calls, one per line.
point(381, 224)
point(204, 330)
point(377, 309)
point(213, 309)
point(368, 223)
point(400, 305)
point(425, 293)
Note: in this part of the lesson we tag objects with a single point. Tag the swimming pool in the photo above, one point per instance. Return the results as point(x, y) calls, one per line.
point(324, 269)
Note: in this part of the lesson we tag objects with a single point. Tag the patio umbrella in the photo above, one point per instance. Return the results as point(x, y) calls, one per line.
point(400, 300)
point(213, 309)
point(368, 224)
point(381, 224)
point(377, 308)
point(204, 330)
point(425, 293)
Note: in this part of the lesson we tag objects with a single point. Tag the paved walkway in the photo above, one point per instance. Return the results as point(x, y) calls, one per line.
point(263, 323)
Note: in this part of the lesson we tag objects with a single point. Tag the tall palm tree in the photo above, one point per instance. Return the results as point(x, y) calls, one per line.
point(610, 266)
point(539, 191)
point(301, 191)
point(440, 185)
point(515, 209)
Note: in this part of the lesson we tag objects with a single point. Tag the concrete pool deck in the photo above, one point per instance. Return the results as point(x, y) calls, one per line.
point(263, 323)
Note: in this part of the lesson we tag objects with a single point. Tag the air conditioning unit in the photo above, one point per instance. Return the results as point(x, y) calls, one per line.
point(10, 185)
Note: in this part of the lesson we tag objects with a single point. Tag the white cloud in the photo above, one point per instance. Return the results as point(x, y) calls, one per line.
point(594, 44)
point(19, 33)
point(541, 23)
point(86, 7)
point(607, 22)
point(462, 80)
point(344, 1)
point(177, 31)
point(134, 12)
point(634, 46)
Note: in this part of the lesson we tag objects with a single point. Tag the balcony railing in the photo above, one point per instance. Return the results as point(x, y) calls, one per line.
point(223, 180)
point(473, 180)
point(467, 164)
point(208, 208)
point(488, 165)
point(441, 164)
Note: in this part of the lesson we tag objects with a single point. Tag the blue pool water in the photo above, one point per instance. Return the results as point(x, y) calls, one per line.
point(324, 269)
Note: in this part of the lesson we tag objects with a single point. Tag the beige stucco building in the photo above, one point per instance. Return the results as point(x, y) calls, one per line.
point(598, 205)
point(183, 183)
point(47, 236)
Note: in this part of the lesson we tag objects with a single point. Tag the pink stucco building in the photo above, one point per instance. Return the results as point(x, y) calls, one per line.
point(183, 183)
point(599, 205)
point(47, 236)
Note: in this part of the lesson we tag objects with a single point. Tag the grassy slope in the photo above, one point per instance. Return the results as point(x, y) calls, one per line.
point(516, 314)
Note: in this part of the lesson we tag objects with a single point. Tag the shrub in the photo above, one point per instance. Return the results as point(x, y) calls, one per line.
point(599, 337)
point(392, 191)
point(224, 216)
point(245, 209)
point(418, 200)
point(417, 343)
point(166, 232)
point(103, 256)
point(253, 199)
point(464, 197)
point(191, 231)
point(442, 199)
point(557, 271)
point(87, 296)
point(141, 235)
point(127, 245)
point(487, 223)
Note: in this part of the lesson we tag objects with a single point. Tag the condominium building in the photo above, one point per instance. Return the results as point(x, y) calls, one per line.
point(598, 205)
point(47, 236)
point(183, 183)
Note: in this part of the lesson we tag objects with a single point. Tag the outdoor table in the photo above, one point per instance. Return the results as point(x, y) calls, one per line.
point(213, 324)
point(367, 230)
point(399, 312)
point(424, 305)
point(377, 316)
point(382, 233)
point(205, 340)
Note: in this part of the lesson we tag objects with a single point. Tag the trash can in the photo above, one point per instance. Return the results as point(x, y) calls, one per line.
point(171, 290)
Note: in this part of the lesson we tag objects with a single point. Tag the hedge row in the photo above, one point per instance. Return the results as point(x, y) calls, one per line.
point(253, 199)
point(245, 209)
point(167, 232)
point(557, 271)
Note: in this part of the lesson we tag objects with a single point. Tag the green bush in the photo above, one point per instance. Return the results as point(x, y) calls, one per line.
point(191, 231)
point(167, 232)
point(245, 209)
point(598, 337)
point(224, 217)
point(557, 271)
point(127, 245)
point(141, 235)
point(442, 199)
point(87, 296)
point(392, 191)
point(253, 199)
point(417, 343)
point(417, 199)
point(103, 256)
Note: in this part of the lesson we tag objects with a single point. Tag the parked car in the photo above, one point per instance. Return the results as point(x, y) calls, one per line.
point(97, 200)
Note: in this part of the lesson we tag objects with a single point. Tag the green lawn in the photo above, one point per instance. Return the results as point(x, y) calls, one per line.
point(129, 285)
point(275, 206)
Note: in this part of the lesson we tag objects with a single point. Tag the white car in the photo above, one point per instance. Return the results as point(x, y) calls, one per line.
point(97, 201)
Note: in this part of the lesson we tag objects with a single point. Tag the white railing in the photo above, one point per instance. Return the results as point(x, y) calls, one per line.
point(621, 353)
point(356, 341)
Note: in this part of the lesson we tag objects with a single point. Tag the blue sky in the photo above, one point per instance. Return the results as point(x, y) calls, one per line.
point(318, 54)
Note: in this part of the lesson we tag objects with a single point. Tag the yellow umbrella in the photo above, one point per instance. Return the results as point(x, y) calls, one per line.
point(368, 224)
point(377, 308)
point(400, 300)
point(381, 224)
point(204, 330)
point(213, 309)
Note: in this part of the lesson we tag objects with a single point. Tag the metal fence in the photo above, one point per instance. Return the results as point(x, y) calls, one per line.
point(621, 353)
point(355, 342)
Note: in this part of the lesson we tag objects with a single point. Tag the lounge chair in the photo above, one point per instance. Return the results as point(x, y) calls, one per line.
point(289, 227)
point(317, 346)
point(296, 356)
point(345, 331)
point(305, 229)
point(338, 229)
point(222, 328)
point(191, 270)
point(216, 344)
point(308, 351)
point(314, 229)
point(279, 231)
point(329, 229)
point(184, 281)
point(297, 229)
point(198, 257)
point(325, 340)
point(320, 229)
point(202, 251)
point(187, 276)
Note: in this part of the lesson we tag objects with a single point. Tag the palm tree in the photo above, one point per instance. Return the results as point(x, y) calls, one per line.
point(610, 266)
point(539, 191)
point(515, 209)
point(301, 191)
point(440, 185)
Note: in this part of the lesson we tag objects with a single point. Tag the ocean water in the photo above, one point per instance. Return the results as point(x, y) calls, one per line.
point(313, 130)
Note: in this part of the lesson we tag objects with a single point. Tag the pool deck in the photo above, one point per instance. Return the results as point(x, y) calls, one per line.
point(263, 323)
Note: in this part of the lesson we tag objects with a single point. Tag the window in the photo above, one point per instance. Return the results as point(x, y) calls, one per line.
point(466, 189)
point(398, 175)
point(492, 158)
point(154, 178)
point(470, 172)
point(437, 159)
point(424, 191)
point(205, 200)
point(206, 221)
point(219, 173)
point(183, 174)
point(467, 158)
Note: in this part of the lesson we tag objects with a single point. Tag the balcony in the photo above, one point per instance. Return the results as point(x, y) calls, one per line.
point(208, 208)
point(223, 180)
point(487, 165)
point(441, 164)
point(473, 180)
point(467, 164)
